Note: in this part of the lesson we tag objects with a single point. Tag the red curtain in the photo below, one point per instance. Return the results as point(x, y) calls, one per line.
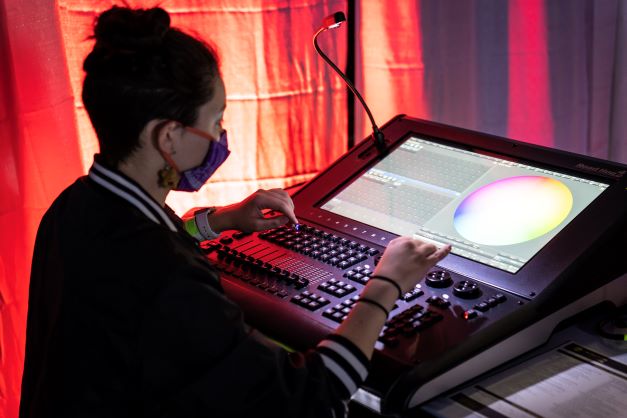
point(39, 154)
point(442, 61)
point(389, 70)
point(285, 114)
point(552, 73)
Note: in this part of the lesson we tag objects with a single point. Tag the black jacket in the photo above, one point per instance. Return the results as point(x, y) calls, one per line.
point(127, 318)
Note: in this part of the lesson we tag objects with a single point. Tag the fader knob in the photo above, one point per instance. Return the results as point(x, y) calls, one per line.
point(467, 289)
point(439, 279)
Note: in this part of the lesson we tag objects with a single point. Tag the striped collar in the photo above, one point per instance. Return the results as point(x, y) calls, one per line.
point(130, 191)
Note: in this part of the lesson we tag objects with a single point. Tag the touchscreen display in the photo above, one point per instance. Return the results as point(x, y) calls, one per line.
point(491, 210)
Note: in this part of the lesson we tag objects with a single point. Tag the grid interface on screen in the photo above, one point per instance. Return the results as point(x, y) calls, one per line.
point(491, 210)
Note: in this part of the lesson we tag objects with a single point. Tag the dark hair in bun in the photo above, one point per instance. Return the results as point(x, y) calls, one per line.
point(142, 69)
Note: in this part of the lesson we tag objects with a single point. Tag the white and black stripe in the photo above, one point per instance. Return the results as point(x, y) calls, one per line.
point(345, 361)
point(130, 192)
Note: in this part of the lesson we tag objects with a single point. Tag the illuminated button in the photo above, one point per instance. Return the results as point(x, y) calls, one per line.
point(470, 313)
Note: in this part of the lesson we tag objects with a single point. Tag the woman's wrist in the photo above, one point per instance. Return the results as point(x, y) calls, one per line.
point(382, 292)
point(219, 220)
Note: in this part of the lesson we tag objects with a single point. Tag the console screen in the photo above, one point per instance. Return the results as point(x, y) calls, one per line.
point(491, 210)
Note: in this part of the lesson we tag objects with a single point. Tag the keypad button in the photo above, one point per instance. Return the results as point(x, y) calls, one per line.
point(482, 307)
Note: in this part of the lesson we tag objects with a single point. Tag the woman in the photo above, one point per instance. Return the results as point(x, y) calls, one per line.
point(126, 316)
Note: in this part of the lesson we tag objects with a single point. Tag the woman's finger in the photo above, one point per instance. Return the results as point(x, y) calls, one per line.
point(270, 223)
point(271, 201)
point(440, 253)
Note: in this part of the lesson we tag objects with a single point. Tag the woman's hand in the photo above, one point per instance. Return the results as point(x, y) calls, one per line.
point(404, 261)
point(407, 260)
point(247, 215)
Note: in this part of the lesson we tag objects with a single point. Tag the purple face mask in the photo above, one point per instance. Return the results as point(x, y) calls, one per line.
point(194, 178)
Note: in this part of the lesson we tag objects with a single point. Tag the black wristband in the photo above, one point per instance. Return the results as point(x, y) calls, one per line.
point(387, 279)
point(374, 303)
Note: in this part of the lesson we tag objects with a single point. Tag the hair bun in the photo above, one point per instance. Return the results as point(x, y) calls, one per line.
point(132, 29)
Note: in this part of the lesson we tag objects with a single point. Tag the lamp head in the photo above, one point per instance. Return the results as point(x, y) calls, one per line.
point(334, 20)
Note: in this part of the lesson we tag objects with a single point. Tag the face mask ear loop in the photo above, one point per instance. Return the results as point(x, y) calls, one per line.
point(168, 159)
point(200, 133)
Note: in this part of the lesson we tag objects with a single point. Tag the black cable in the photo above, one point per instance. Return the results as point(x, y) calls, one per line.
point(350, 72)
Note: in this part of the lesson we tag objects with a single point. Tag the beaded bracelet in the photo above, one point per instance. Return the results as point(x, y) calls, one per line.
point(387, 279)
point(374, 303)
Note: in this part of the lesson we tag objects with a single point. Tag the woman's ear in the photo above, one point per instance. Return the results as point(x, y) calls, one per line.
point(164, 135)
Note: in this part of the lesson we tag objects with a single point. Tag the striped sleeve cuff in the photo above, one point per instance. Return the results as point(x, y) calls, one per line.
point(345, 361)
